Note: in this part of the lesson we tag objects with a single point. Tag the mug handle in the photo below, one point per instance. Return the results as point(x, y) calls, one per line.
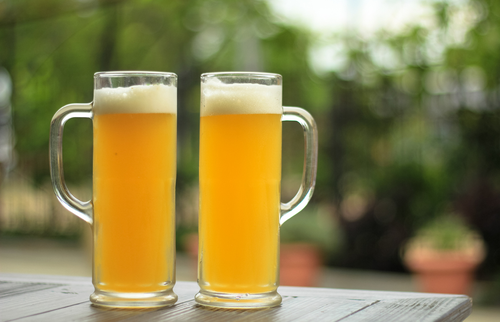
point(300, 200)
point(79, 208)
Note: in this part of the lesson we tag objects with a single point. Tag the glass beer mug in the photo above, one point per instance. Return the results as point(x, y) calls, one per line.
point(134, 117)
point(240, 182)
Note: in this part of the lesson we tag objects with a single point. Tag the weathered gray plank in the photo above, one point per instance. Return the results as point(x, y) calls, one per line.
point(421, 309)
point(355, 294)
point(85, 312)
point(35, 302)
point(292, 309)
point(8, 289)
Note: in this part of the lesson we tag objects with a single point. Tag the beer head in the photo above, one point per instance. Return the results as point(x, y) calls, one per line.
point(136, 99)
point(220, 98)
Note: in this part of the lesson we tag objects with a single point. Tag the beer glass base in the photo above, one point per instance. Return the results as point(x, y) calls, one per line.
point(133, 300)
point(237, 300)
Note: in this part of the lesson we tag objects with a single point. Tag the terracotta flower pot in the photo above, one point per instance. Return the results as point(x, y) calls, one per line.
point(443, 272)
point(443, 276)
point(299, 264)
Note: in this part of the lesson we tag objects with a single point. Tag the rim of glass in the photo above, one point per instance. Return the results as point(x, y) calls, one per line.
point(242, 74)
point(130, 73)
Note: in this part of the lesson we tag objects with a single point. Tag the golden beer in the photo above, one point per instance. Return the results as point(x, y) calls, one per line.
point(134, 189)
point(240, 176)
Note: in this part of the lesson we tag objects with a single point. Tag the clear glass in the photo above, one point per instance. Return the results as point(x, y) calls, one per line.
point(240, 183)
point(132, 211)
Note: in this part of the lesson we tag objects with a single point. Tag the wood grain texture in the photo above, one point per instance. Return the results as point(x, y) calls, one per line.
point(59, 298)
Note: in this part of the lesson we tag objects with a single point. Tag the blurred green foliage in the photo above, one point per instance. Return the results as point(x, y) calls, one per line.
point(315, 225)
point(408, 122)
point(447, 232)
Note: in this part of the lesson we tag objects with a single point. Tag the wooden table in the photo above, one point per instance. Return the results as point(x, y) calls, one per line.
point(62, 298)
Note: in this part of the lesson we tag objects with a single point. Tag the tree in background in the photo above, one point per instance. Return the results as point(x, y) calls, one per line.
point(414, 129)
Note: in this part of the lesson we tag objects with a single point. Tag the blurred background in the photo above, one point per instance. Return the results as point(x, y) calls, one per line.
point(406, 95)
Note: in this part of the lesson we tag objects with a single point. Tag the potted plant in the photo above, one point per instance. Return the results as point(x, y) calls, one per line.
point(444, 255)
point(305, 239)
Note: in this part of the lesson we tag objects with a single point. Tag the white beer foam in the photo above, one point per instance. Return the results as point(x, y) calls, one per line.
point(218, 98)
point(136, 99)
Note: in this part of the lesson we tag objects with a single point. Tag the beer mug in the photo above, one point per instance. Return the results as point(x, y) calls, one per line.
point(132, 211)
point(240, 181)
